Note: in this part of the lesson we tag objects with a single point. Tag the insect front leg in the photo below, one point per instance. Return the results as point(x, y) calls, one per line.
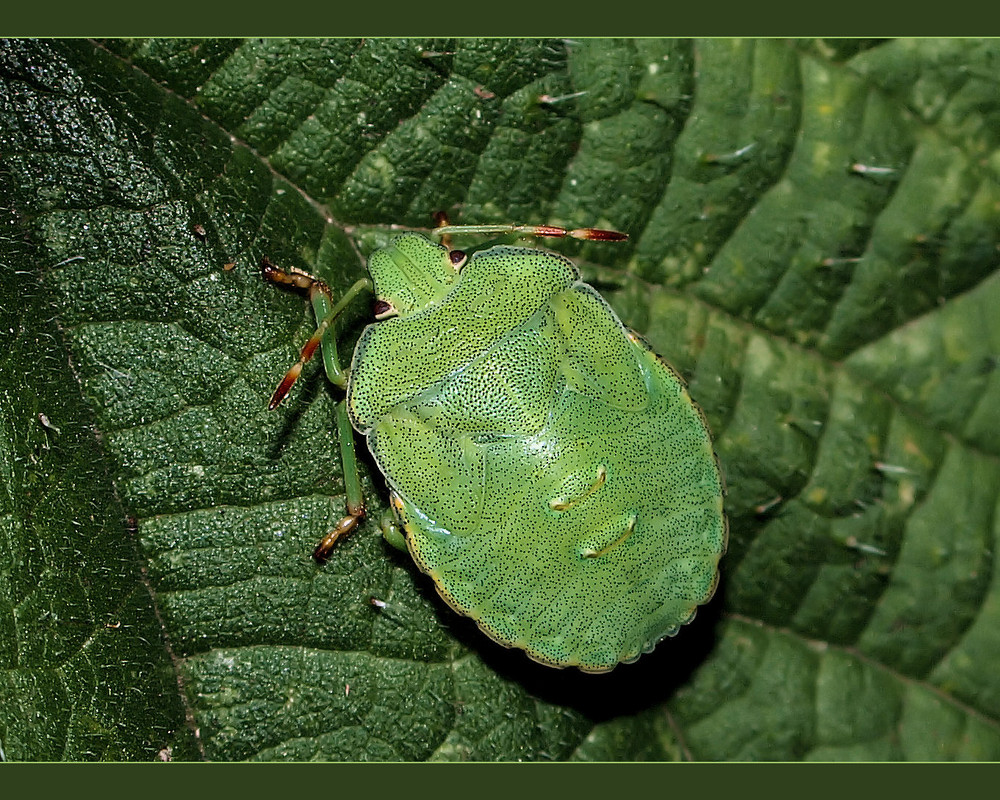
point(326, 313)
point(324, 337)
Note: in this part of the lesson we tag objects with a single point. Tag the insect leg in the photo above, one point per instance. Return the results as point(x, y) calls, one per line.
point(392, 529)
point(326, 312)
point(352, 486)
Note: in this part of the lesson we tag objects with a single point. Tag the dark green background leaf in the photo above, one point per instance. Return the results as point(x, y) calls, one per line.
point(814, 246)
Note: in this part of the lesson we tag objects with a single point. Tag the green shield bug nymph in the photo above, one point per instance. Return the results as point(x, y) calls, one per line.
point(546, 468)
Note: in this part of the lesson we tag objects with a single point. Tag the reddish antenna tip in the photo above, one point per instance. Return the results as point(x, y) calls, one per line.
point(598, 235)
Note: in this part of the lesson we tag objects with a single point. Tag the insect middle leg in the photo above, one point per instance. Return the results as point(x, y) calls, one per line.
point(355, 500)
point(326, 311)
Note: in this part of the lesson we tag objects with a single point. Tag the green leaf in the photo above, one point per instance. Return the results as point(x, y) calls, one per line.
point(814, 245)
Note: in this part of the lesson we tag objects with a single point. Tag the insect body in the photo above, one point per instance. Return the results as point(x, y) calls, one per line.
point(548, 471)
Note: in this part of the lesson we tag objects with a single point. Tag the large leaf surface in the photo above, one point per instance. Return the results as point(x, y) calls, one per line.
point(814, 246)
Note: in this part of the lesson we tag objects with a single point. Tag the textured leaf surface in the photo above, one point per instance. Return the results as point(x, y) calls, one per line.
point(814, 246)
